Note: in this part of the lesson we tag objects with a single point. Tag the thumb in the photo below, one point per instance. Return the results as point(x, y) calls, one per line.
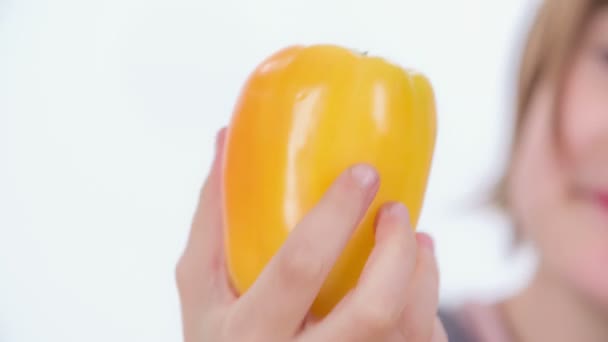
point(200, 270)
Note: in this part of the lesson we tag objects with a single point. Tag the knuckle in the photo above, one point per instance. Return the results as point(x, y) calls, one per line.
point(185, 278)
point(181, 272)
point(299, 264)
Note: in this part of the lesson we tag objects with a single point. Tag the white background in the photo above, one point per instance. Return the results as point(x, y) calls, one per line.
point(108, 110)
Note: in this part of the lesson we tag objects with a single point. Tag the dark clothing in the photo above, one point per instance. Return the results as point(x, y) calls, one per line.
point(454, 328)
point(475, 322)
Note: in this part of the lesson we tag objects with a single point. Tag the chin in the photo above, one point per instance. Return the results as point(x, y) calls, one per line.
point(578, 237)
point(589, 272)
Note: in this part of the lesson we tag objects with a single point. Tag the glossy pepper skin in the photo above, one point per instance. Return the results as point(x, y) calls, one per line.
point(305, 115)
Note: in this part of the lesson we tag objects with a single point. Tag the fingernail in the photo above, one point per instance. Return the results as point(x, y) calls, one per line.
point(399, 212)
point(391, 215)
point(364, 175)
point(426, 240)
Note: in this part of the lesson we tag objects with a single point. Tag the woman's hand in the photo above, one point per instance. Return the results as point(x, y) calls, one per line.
point(395, 300)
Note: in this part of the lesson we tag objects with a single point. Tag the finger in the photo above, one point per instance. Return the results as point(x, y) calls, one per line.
point(418, 320)
point(201, 266)
point(282, 295)
point(439, 334)
point(374, 308)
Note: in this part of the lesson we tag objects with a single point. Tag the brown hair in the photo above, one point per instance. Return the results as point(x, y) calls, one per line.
point(549, 47)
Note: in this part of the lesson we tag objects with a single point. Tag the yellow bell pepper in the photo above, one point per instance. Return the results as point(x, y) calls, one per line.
point(305, 115)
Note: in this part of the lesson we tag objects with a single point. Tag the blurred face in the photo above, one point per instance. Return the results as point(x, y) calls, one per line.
point(559, 187)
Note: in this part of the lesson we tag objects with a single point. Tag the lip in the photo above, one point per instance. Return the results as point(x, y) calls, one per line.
point(601, 197)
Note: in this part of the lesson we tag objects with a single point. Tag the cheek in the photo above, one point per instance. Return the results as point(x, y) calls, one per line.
point(584, 115)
